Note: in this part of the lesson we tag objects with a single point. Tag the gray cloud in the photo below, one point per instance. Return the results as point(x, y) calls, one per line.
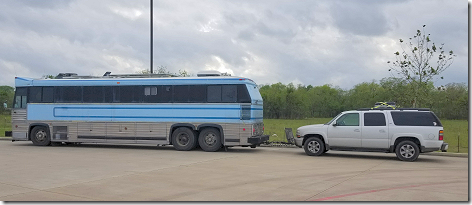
point(342, 43)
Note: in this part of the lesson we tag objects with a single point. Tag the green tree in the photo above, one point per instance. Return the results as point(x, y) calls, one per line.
point(325, 101)
point(6, 96)
point(451, 101)
point(365, 95)
point(415, 63)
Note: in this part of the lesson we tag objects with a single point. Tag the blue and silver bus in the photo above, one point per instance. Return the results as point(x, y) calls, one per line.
point(210, 111)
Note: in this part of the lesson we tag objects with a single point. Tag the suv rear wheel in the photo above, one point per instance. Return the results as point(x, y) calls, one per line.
point(407, 151)
point(314, 146)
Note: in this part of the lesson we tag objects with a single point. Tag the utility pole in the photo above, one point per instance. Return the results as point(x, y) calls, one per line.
point(151, 37)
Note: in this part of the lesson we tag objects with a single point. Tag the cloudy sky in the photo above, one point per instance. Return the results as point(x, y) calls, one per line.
point(309, 42)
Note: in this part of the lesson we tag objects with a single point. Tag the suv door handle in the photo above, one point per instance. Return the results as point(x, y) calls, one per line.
point(382, 131)
point(356, 130)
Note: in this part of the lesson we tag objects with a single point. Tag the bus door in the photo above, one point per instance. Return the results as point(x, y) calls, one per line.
point(18, 115)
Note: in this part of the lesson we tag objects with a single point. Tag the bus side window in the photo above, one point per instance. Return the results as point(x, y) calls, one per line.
point(35, 94)
point(214, 93)
point(20, 98)
point(164, 94)
point(48, 95)
point(243, 94)
point(150, 94)
point(93, 94)
point(197, 94)
point(229, 93)
point(180, 93)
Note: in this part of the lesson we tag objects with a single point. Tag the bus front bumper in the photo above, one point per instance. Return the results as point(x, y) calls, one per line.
point(255, 140)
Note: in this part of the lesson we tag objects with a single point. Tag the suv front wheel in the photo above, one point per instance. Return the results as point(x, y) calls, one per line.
point(407, 151)
point(314, 146)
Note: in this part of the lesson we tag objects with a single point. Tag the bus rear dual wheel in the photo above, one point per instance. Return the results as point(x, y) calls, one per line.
point(185, 139)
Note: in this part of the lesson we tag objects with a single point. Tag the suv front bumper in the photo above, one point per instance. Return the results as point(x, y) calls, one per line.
point(255, 140)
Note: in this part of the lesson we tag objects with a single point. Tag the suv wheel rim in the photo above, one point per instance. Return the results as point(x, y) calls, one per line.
point(407, 151)
point(314, 146)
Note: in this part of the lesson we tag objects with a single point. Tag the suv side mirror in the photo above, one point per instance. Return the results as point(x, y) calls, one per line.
point(334, 124)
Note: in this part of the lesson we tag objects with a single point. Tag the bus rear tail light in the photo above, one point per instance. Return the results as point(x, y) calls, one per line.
point(441, 135)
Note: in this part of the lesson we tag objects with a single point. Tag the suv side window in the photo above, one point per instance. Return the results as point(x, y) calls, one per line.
point(403, 118)
point(374, 119)
point(348, 119)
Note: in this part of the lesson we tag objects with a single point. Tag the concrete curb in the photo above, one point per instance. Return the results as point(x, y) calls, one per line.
point(448, 154)
point(5, 138)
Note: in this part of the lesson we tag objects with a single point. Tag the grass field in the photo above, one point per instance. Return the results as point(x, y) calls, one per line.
point(452, 129)
point(275, 129)
point(5, 124)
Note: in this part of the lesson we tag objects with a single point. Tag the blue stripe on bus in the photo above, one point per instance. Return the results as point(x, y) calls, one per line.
point(155, 108)
point(212, 118)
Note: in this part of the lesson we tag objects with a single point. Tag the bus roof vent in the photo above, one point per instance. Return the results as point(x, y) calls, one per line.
point(208, 73)
point(66, 75)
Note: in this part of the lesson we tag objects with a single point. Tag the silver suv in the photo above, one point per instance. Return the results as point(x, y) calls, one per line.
point(407, 132)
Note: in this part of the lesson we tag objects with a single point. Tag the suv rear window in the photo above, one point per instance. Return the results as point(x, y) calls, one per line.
point(415, 119)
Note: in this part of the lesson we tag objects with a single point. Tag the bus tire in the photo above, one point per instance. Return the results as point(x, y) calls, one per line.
point(183, 139)
point(40, 136)
point(210, 140)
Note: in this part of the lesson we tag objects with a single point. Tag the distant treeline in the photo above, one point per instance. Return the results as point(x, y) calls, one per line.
point(295, 102)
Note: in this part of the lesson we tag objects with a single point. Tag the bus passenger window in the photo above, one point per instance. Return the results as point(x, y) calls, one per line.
point(130, 94)
point(214, 93)
point(197, 94)
point(93, 94)
point(181, 93)
point(164, 94)
point(150, 91)
point(243, 95)
point(48, 95)
point(35, 94)
point(150, 94)
point(229, 93)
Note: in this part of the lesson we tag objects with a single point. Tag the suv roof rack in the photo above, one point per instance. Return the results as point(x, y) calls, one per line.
point(389, 108)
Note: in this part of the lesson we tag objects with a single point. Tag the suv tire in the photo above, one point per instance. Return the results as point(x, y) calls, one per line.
point(314, 146)
point(407, 151)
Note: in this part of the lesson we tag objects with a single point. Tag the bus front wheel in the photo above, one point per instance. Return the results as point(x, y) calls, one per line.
point(183, 139)
point(40, 137)
point(210, 140)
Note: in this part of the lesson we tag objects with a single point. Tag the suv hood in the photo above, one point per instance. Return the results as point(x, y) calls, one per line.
point(312, 129)
point(311, 126)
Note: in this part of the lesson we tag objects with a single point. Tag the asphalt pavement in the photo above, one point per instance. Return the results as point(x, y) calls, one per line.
point(94, 172)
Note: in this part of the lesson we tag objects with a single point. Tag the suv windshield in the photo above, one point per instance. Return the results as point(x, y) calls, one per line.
point(333, 119)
